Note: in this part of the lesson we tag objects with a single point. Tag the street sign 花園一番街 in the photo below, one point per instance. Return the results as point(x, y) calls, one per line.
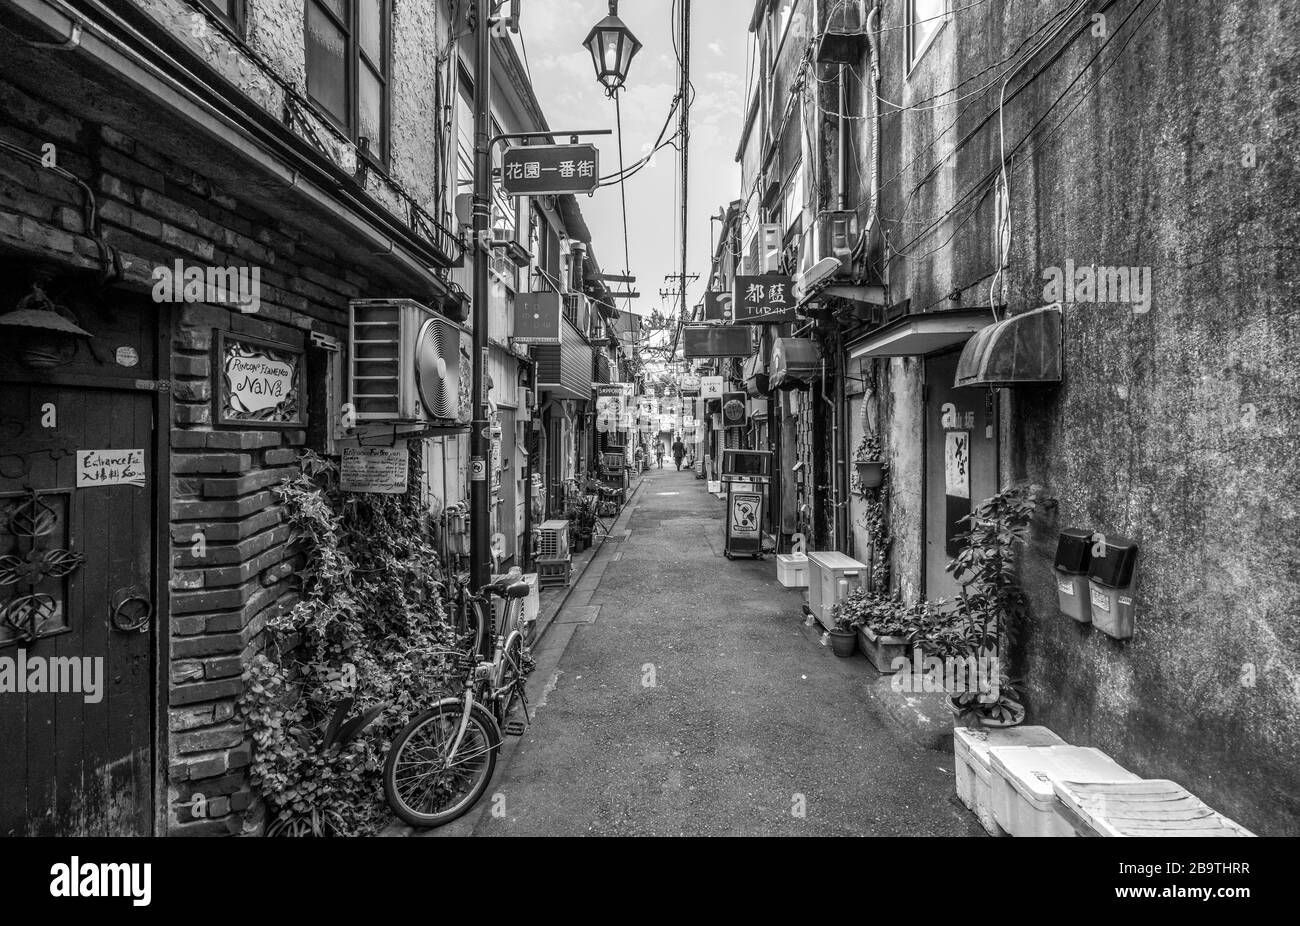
point(534, 170)
point(767, 299)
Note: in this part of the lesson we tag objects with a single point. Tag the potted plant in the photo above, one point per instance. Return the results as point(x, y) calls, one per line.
point(844, 637)
point(993, 704)
point(992, 603)
point(867, 461)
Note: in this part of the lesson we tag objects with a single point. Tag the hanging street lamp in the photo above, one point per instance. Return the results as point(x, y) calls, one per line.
point(612, 46)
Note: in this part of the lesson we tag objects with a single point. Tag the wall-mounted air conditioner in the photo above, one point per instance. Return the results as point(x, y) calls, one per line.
point(404, 362)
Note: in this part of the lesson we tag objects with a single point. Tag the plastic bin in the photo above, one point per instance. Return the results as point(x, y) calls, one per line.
point(974, 773)
point(1024, 801)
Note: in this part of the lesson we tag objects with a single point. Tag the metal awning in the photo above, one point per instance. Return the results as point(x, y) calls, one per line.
point(920, 334)
point(1024, 349)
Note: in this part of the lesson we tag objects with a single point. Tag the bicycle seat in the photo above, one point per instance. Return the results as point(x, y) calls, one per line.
point(505, 589)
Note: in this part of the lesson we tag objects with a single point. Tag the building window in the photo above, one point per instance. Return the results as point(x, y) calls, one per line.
point(924, 19)
point(347, 68)
point(232, 11)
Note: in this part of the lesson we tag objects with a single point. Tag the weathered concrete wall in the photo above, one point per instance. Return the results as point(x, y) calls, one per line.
point(1173, 425)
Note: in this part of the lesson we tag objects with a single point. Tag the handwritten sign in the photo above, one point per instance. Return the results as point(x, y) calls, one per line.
point(260, 383)
point(374, 469)
point(110, 468)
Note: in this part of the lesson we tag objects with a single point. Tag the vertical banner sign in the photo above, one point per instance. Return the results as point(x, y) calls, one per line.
point(956, 481)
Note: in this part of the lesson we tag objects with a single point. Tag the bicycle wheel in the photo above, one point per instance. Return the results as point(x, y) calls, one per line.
point(512, 677)
point(420, 786)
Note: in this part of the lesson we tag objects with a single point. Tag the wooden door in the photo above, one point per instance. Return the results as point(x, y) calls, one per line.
point(77, 554)
point(961, 465)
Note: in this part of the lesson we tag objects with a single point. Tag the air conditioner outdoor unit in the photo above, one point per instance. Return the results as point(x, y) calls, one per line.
point(404, 362)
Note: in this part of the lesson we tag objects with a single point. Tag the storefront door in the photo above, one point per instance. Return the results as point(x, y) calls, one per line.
point(961, 463)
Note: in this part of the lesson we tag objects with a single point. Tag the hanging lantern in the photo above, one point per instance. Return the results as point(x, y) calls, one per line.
point(45, 332)
point(612, 46)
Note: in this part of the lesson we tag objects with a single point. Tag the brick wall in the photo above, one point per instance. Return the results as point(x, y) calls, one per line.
point(154, 211)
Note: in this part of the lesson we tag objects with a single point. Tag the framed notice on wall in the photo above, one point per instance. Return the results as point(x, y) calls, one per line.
point(258, 383)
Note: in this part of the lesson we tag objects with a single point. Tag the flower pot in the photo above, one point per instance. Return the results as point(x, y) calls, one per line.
point(881, 651)
point(1017, 719)
point(871, 473)
point(843, 642)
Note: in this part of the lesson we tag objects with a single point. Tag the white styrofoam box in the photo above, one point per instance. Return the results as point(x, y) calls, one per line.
point(792, 569)
point(1023, 797)
point(1151, 807)
point(974, 774)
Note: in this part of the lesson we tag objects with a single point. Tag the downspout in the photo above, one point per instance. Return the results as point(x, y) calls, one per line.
point(835, 460)
point(873, 218)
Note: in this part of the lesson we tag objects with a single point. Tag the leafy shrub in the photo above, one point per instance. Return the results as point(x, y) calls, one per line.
point(368, 631)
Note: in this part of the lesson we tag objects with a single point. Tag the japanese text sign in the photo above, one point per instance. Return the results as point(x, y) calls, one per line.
point(534, 170)
point(765, 299)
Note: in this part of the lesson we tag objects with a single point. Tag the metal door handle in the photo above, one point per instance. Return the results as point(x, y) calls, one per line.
point(125, 624)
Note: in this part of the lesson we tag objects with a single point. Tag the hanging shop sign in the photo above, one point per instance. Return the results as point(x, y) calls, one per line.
point(734, 410)
point(382, 470)
point(542, 170)
point(717, 307)
point(691, 384)
point(537, 318)
point(259, 384)
point(711, 387)
point(768, 299)
point(717, 341)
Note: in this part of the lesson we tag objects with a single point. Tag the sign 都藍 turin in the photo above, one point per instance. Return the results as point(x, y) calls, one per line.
point(534, 170)
point(767, 299)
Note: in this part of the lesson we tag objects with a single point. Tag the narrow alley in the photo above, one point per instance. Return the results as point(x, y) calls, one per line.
point(690, 699)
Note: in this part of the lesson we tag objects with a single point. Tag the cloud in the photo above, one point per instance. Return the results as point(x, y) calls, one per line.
point(716, 48)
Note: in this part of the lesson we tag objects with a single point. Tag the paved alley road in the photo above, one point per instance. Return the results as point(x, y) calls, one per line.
point(747, 717)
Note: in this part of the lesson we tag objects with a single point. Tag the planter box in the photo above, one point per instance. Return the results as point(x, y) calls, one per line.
point(871, 473)
point(881, 651)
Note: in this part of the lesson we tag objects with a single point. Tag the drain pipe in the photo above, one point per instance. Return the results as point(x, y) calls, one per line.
point(835, 460)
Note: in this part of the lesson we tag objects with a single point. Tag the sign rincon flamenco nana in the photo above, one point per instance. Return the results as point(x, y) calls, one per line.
point(259, 383)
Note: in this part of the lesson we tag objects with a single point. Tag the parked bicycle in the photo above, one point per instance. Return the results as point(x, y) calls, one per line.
point(441, 762)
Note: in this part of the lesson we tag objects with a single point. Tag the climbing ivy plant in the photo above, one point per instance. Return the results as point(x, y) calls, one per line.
point(347, 665)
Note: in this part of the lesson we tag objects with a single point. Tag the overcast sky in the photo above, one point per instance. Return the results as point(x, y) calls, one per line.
point(565, 83)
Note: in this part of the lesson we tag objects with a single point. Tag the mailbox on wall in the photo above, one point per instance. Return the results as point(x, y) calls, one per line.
point(1111, 580)
point(1073, 557)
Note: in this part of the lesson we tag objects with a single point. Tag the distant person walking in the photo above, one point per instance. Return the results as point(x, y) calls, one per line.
point(679, 451)
point(659, 453)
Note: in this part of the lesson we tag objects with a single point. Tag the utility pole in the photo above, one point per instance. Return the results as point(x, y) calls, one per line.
point(479, 536)
point(686, 144)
